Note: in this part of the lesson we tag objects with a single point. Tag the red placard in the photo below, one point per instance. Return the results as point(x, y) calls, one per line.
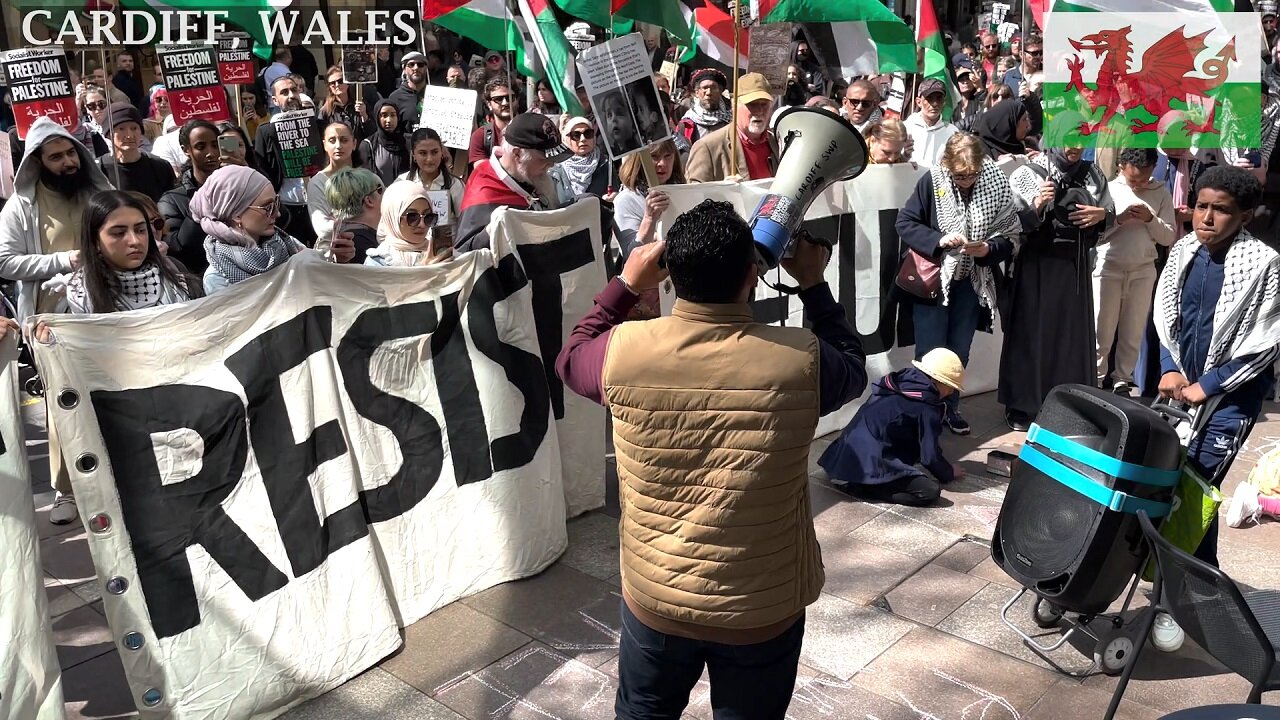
point(235, 58)
point(192, 79)
point(40, 86)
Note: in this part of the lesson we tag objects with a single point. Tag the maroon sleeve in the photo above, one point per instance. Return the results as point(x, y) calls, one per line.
point(475, 150)
point(581, 361)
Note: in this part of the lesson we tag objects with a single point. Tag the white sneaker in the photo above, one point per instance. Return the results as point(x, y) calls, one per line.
point(64, 510)
point(1244, 505)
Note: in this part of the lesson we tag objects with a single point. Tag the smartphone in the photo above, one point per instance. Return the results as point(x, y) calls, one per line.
point(1254, 157)
point(441, 238)
point(228, 144)
point(974, 243)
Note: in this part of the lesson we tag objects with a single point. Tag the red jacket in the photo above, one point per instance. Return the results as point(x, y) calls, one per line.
point(488, 188)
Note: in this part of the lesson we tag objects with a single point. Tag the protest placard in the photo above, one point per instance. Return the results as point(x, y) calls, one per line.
point(298, 143)
point(359, 65)
point(195, 87)
point(235, 58)
point(619, 81)
point(40, 86)
point(770, 52)
point(440, 205)
point(450, 112)
point(6, 167)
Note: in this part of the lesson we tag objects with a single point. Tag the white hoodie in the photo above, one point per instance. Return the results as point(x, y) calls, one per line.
point(1132, 245)
point(929, 140)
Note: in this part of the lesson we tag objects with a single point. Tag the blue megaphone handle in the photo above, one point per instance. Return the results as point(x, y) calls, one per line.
point(772, 226)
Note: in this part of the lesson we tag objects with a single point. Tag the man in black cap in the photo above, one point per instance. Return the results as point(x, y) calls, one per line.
point(708, 112)
point(128, 167)
point(408, 97)
point(514, 176)
point(928, 132)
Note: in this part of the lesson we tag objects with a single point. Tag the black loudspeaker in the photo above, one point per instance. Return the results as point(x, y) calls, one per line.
point(1068, 528)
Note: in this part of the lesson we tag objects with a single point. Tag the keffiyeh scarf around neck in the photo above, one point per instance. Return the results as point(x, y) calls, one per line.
point(136, 289)
point(986, 214)
point(238, 263)
point(579, 169)
point(708, 118)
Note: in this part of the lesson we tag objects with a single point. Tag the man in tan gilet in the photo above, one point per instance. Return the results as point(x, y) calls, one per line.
point(713, 414)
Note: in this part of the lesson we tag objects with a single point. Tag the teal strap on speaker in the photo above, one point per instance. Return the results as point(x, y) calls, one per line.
point(1107, 464)
point(1112, 499)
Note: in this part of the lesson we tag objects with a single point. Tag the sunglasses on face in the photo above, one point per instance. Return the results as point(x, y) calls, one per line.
point(964, 177)
point(500, 99)
point(990, 47)
point(94, 106)
point(270, 209)
point(582, 135)
point(415, 64)
point(1033, 53)
point(859, 103)
point(335, 81)
point(413, 217)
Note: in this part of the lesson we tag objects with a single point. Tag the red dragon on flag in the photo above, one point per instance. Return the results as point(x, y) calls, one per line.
point(1166, 76)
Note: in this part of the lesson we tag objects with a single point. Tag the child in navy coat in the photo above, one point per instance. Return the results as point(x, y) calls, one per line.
point(897, 430)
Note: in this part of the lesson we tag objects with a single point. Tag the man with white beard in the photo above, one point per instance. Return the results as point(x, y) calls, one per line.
point(709, 160)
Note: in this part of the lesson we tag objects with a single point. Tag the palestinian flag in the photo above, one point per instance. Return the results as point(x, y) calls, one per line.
point(608, 13)
point(936, 64)
point(554, 52)
point(489, 23)
point(1116, 78)
point(712, 38)
point(862, 37)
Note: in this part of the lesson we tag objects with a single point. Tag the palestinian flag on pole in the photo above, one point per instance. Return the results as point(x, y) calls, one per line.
point(860, 37)
point(605, 13)
point(936, 64)
point(554, 51)
point(1116, 78)
point(489, 23)
point(712, 38)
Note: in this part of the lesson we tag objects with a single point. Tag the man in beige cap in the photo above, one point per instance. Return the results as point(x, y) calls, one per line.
point(709, 159)
point(896, 432)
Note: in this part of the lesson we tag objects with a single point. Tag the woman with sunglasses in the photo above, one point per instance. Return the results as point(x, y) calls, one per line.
point(199, 141)
point(238, 209)
point(339, 146)
point(385, 152)
point(586, 172)
point(345, 106)
point(123, 267)
point(429, 156)
point(93, 110)
point(962, 219)
point(407, 230)
point(153, 125)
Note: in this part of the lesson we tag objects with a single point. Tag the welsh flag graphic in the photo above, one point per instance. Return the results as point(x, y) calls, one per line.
point(867, 36)
point(605, 13)
point(1130, 79)
point(554, 52)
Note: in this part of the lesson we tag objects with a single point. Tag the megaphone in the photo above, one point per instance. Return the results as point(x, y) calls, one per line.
point(819, 148)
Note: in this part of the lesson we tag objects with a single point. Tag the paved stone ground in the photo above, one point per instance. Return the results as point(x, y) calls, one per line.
point(907, 628)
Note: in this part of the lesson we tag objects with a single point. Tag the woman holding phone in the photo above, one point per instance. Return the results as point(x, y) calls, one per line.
point(962, 218)
point(201, 144)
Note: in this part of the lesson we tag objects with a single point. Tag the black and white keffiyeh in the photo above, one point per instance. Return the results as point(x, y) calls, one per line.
point(136, 289)
point(1025, 182)
point(988, 213)
point(1246, 320)
point(238, 263)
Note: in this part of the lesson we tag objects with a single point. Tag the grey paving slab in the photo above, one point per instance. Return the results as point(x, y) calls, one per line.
point(376, 694)
point(593, 545)
point(590, 634)
point(860, 571)
point(62, 598)
point(835, 513)
point(533, 604)
point(449, 642)
point(534, 683)
point(963, 556)
point(940, 676)
point(988, 570)
point(97, 689)
point(1068, 698)
point(932, 593)
point(908, 535)
point(81, 634)
point(978, 621)
point(1187, 678)
point(66, 557)
point(820, 696)
point(841, 637)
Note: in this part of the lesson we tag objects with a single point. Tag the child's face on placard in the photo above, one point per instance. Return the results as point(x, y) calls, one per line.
point(1217, 218)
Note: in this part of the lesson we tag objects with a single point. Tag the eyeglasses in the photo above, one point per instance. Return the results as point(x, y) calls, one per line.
point(582, 135)
point(964, 177)
point(860, 102)
point(500, 99)
point(335, 81)
point(271, 209)
point(415, 64)
point(990, 47)
point(1033, 53)
point(413, 217)
point(94, 105)
point(160, 100)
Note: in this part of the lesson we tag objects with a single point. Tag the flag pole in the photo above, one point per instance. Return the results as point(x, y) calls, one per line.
point(733, 109)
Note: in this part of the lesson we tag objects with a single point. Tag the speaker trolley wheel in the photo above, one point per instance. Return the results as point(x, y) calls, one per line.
point(1113, 639)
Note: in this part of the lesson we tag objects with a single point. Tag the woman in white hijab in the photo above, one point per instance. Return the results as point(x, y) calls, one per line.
point(406, 229)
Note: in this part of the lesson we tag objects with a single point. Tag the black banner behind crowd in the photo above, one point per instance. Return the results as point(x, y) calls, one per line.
point(298, 143)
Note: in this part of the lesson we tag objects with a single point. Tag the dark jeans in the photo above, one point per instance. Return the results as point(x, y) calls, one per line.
point(950, 326)
point(1211, 453)
point(657, 671)
point(913, 490)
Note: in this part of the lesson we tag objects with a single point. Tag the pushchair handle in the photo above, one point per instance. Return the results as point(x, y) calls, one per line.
point(1168, 410)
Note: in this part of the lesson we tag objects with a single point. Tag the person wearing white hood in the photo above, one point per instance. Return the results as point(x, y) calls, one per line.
point(1125, 274)
point(40, 229)
point(167, 146)
point(929, 134)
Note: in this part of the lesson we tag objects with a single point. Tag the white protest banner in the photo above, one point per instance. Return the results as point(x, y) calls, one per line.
point(30, 680)
point(39, 84)
point(619, 80)
point(440, 206)
point(858, 215)
point(295, 467)
point(450, 112)
point(562, 254)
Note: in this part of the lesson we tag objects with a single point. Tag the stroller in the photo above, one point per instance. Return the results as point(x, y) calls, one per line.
point(1109, 555)
point(28, 378)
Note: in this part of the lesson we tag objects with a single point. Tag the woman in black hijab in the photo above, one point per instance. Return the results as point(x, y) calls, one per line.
point(1003, 127)
point(386, 152)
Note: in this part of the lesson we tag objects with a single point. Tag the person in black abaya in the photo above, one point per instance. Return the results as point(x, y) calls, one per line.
point(1049, 339)
point(1003, 127)
point(386, 151)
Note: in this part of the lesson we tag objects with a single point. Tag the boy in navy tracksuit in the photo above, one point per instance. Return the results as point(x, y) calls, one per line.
point(1217, 312)
point(898, 428)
